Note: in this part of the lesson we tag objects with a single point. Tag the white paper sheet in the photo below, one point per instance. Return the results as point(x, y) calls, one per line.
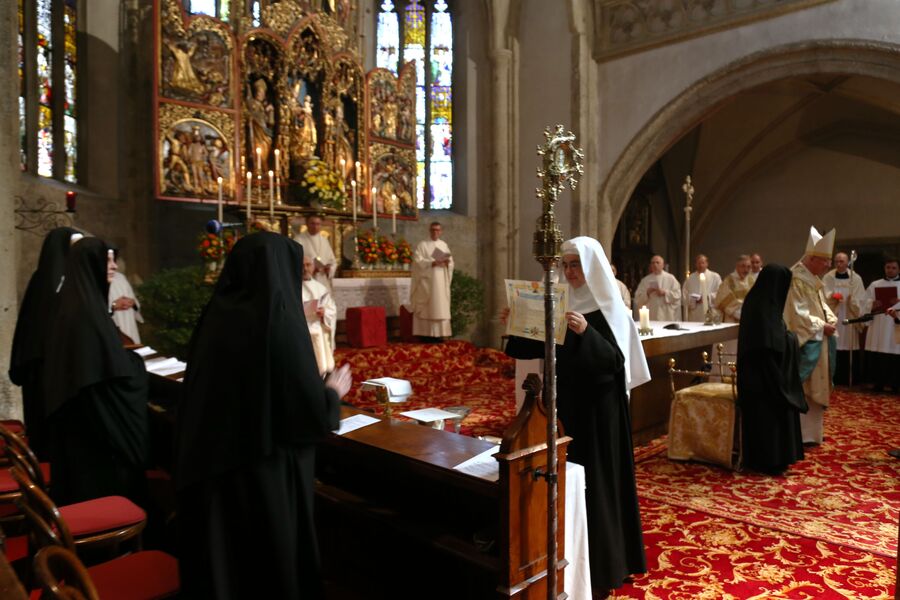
point(172, 369)
point(157, 365)
point(427, 415)
point(482, 465)
point(145, 351)
point(355, 422)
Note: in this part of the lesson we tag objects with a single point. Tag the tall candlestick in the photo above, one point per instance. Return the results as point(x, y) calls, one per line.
point(374, 208)
point(259, 192)
point(644, 314)
point(277, 162)
point(703, 293)
point(394, 214)
point(277, 176)
point(358, 178)
point(219, 213)
point(353, 188)
point(248, 198)
point(271, 195)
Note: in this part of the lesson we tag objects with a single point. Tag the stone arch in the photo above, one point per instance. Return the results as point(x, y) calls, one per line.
point(878, 60)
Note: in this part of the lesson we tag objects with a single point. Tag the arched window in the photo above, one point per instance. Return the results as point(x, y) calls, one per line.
point(421, 30)
point(48, 83)
point(214, 8)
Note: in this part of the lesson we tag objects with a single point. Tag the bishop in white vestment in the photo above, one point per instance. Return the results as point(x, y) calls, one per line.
point(660, 292)
point(322, 320)
point(806, 313)
point(700, 288)
point(318, 247)
point(430, 287)
point(846, 297)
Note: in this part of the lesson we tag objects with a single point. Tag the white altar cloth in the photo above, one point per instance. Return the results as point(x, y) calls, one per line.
point(389, 292)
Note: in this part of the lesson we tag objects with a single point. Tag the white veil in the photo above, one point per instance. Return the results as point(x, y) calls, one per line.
point(605, 295)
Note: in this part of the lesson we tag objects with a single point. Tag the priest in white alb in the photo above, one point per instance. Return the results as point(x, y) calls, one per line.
point(882, 345)
point(660, 292)
point(321, 317)
point(126, 310)
point(806, 313)
point(699, 291)
point(846, 297)
point(430, 287)
point(317, 246)
point(623, 289)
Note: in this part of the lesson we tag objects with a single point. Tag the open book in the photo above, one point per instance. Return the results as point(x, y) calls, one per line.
point(310, 307)
point(439, 254)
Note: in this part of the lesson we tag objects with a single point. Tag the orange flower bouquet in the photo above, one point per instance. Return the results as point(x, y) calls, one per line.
point(388, 250)
point(368, 248)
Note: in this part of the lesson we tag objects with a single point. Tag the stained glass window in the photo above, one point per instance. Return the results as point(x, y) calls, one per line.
point(254, 9)
point(201, 7)
point(48, 79)
point(423, 31)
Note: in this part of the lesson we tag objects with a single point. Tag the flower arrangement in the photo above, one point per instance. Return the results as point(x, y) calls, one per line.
point(213, 248)
point(388, 250)
point(323, 184)
point(368, 248)
point(404, 250)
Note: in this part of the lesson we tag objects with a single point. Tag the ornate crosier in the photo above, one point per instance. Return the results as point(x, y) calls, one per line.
point(561, 166)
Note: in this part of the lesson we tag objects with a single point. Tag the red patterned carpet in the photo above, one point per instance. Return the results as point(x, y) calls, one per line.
point(455, 373)
point(827, 529)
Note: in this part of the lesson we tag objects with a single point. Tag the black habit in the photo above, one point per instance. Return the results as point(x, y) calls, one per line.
point(95, 390)
point(593, 408)
point(770, 394)
point(254, 406)
point(30, 340)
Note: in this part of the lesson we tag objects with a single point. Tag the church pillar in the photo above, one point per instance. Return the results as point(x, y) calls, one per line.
point(10, 403)
point(504, 165)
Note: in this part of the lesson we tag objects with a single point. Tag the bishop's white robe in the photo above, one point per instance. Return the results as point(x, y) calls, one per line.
point(318, 247)
point(125, 320)
point(806, 313)
point(430, 291)
point(321, 330)
point(698, 295)
point(853, 299)
point(626, 295)
point(662, 308)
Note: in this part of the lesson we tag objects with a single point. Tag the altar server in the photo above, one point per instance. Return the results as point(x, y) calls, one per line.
point(30, 339)
point(882, 346)
point(95, 390)
point(660, 292)
point(700, 289)
point(253, 409)
point(806, 313)
point(322, 320)
point(432, 274)
point(846, 297)
point(317, 246)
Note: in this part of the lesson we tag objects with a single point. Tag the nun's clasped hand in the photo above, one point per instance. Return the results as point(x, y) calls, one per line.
point(576, 322)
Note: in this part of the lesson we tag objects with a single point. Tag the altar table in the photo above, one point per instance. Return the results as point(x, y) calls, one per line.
point(389, 292)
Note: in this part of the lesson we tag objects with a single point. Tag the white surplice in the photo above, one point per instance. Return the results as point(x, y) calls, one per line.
point(695, 292)
point(125, 320)
point(321, 330)
point(430, 291)
point(853, 299)
point(318, 247)
point(626, 295)
point(662, 308)
point(880, 336)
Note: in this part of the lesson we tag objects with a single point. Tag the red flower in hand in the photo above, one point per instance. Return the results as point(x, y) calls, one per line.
point(837, 296)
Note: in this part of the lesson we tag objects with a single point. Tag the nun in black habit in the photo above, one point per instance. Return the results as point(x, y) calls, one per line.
point(95, 390)
point(253, 409)
point(770, 394)
point(600, 360)
point(30, 339)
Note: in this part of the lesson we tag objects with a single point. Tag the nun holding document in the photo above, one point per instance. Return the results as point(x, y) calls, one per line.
point(599, 361)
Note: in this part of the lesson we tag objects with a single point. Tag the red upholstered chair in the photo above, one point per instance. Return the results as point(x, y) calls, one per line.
point(366, 326)
point(138, 576)
point(96, 523)
point(16, 451)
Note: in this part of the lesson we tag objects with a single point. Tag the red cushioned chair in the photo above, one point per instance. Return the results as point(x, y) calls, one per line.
point(101, 522)
point(14, 448)
point(138, 576)
point(366, 326)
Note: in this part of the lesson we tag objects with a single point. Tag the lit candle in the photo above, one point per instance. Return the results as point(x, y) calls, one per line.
point(272, 195)
point(277, 162)
point(259, 193)
point(353, 187)
point(258, 159)
point(220, 199)
point(644, 314)
point(248, 198)
point(357, 171)
point(703, 293)
point(374, 209)
point(277, 176)
point(394, 214)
